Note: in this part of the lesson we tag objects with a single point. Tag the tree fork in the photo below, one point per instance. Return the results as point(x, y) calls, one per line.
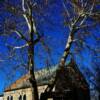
point(63, 58)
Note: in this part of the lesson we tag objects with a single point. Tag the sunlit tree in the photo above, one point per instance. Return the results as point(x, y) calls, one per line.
point(20, 20)
point(81, 18)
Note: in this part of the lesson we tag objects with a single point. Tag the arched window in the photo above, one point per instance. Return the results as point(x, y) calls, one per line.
point(11, 98)
point(24, 97)
point(20, 97)
point(8, 98)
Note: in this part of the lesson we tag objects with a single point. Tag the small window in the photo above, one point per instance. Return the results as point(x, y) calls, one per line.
point(8, 98)
point(11, 98)
point(24, 97)
point(20, 97)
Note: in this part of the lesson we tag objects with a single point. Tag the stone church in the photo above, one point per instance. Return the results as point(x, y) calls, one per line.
point(70, 85)
point(20, 89)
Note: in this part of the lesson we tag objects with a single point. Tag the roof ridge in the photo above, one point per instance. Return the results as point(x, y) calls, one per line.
point(22, 80)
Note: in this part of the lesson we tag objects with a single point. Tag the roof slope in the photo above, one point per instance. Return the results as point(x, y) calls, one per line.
point(46, 76)
point(43, 76)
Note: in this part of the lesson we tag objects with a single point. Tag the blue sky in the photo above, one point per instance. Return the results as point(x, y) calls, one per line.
point(56, 36)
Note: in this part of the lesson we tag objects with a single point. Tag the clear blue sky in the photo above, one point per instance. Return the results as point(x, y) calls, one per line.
point(56, 35)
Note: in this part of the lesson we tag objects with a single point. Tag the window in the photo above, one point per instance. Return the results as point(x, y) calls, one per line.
point(20, 97)
point(24, 97)
point(11, 98)
point(8, 98)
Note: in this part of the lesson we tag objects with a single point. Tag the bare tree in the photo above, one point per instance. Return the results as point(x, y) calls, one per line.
point(21, 22)
point(77, 14)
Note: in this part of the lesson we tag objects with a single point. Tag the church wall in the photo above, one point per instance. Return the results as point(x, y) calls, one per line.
point(1, 98)
point(41, 89)
point(17, 94)
point(21, 92)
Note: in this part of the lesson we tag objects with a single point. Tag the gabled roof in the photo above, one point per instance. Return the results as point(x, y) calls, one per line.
point(43, 76)
point(46, 76)
point(20, 83)
point(71, 76)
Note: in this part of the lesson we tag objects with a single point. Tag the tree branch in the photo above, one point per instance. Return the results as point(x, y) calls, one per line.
point(20, 35)
point(20, 47)
point(23, 4)
point(26, 14)
point(67, 13)
point(86, 26)
point(37, 40)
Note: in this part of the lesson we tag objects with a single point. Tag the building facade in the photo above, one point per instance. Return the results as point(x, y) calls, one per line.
point(70, 85)
point(21, 88)
point(1, 96)
point(21, 94)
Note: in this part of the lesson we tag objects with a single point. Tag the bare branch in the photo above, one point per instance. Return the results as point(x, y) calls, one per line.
point(23, 4)
point(20, 34)
point(92, 7)
point(86, 26)
point(26, 14)
point(34, 27)
point(20, 47)
point(27, 21)
point(66, 11)
point(81, 23)
point(89, 13)
point(37, 40)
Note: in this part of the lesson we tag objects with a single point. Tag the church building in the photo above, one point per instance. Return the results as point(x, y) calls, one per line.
point(70, 85)
point(20, 89)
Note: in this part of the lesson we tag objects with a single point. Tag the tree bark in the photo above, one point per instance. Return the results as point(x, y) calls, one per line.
point(32, 79)
point(67, 50)
point(63, 58)
point(31, 72)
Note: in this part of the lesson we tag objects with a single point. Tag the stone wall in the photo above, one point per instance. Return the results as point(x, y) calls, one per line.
point(1, 98)
point(21, 92)
point(69, 80)
point(17, 93)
